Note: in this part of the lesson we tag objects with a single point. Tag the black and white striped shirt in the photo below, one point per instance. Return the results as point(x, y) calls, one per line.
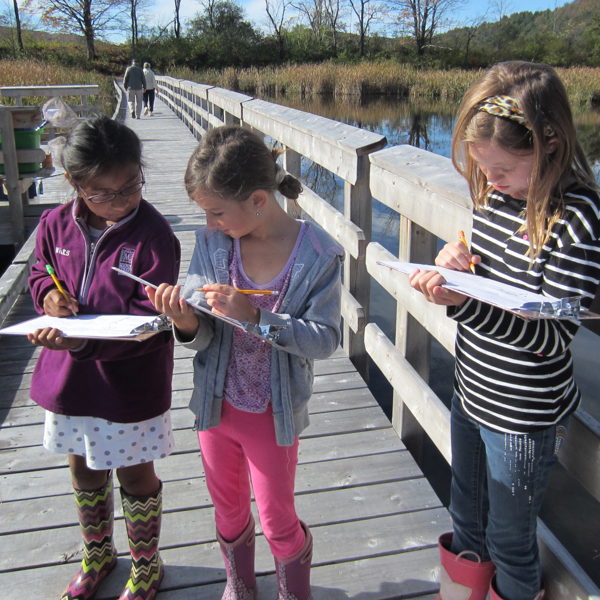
point(514, 375)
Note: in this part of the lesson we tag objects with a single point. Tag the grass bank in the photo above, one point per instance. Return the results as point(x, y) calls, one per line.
point(15, 72)
point(385, 78)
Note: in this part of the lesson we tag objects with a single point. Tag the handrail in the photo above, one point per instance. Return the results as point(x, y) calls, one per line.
point(432, 201)
point(339, 148)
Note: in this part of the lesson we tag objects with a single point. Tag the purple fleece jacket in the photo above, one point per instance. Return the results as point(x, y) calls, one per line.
point(124, 382)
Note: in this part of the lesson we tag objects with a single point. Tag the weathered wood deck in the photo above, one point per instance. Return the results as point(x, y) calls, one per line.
point(374, 517)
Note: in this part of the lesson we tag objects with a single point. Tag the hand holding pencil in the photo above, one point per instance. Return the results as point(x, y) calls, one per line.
point(54, 302)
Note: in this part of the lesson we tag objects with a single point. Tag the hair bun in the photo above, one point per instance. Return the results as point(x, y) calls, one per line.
point(289, 186)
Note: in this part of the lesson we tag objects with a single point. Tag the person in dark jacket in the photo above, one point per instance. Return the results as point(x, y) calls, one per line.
point(107, 402)
point(135, 85)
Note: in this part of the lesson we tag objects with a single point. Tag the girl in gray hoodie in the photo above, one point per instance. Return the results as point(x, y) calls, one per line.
point(250, 398)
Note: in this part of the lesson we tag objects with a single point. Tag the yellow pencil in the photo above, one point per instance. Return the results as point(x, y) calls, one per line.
point(257, 292)
point(60, 288)
point(461, 235)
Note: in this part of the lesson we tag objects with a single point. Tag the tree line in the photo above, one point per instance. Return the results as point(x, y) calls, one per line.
point(427, 33)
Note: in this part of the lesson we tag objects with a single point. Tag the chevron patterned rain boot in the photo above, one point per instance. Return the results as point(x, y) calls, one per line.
point(463, 578)
point(142, 517)
point(293, 574)
point(239, 563)
point(96, 517)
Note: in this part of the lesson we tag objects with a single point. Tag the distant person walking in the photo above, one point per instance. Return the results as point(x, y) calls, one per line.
point(134, 84)
point(149, 91)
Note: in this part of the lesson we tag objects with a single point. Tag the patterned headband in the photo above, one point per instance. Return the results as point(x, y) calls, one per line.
point(507, 107)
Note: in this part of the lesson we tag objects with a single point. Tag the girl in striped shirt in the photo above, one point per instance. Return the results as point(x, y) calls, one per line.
point(536, 226)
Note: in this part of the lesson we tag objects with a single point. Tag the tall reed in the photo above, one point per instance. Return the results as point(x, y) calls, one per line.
point(369, 78)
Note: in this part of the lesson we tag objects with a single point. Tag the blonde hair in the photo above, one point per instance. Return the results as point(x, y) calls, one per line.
point(541, 96)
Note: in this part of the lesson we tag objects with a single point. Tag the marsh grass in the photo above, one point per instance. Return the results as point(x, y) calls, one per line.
point(24, 72)
point(382, 78)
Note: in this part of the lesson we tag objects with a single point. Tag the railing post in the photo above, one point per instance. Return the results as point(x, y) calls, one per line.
point(358, 208)
point(292, 163)
point(11, 171)
point(412, 339)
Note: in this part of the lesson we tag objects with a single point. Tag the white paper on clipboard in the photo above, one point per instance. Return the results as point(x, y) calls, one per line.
point(490, 291)
point(101, 327)
point(268, 333)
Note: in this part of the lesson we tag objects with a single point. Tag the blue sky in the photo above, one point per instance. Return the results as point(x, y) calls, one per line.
point(255, 9)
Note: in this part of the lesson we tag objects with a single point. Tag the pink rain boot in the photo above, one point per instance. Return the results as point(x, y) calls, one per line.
point(239, 563)
point(495, 596)
point(463, 579)
point(293, 574)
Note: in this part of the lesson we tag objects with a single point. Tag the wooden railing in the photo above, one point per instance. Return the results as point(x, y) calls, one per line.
point(432, 202)
point(17, 184)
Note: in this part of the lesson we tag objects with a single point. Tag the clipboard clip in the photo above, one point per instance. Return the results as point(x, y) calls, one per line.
point(267, 332)
point(564, 308)
point(161, 323)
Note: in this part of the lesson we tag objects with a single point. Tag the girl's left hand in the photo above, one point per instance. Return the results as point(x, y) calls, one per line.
point(53, 339)
point(227, 301)
point(429, 283)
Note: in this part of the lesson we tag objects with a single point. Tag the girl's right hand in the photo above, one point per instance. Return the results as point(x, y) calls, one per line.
point(55, 304)
point(167, 299)
point(456, 256)
point(53, 339)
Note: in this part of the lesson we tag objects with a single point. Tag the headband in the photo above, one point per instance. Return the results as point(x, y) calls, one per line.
point(507, 107)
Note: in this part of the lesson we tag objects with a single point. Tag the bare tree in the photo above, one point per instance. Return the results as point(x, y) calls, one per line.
point(176, 21)
point(314, 12)
point(424, 18)
point(366, 11)
point(92, 18)
point(501, 8)
point(276, 19)
point(18, 26)
point(334, 11)
point(137, 11)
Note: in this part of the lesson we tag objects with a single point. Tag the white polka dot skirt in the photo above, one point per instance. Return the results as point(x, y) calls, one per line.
point(108, 445)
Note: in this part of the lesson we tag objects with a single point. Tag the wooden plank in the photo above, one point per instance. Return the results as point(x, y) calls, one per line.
point(350, 236)
point(12, 283)
point(48, 90)
point(422, 402)
point(27, 156)
point(424, 187)
point(431, 316)
point(231, 102)
point(197, 572)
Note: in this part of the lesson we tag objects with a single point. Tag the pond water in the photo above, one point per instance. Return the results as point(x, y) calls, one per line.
point(569, 510)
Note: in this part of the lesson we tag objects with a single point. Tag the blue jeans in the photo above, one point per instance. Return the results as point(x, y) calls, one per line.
point(498, 481)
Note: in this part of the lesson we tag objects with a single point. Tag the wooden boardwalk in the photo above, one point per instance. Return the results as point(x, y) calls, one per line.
point(374, 517)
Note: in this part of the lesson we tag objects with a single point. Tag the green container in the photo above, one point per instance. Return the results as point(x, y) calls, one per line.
point(26, 139)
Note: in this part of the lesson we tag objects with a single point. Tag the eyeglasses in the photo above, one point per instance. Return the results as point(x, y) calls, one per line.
point(127, 191)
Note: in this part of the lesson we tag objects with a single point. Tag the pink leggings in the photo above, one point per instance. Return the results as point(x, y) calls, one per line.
point(244, 445)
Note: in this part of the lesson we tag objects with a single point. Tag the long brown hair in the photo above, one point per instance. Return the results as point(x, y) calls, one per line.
point(232, 162)
point(541, 96)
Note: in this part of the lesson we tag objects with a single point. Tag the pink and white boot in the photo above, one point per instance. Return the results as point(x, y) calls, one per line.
point(293, 574)
point(239, 563)
point(463, 579)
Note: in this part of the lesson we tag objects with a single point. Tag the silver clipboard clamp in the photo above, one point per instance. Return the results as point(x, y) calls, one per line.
point(161, 323)
point(267, 332)
point(563, 308)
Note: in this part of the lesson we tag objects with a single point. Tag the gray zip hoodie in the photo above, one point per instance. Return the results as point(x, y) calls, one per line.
point(310, 311)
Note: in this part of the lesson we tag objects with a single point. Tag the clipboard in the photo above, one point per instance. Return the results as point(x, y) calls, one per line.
point(267, 333)
point(527, 305)
point(136, 328)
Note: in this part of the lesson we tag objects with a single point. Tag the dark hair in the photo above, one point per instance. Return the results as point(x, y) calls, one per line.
point(541, 95)
point(232, 162)
point(99, 145)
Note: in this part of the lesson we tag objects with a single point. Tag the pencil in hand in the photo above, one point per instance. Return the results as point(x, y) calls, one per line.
point(60, 288)
point(248, 292)
point(461, 235)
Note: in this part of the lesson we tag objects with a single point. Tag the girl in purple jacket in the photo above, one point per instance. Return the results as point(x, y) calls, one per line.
point(107, 402)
